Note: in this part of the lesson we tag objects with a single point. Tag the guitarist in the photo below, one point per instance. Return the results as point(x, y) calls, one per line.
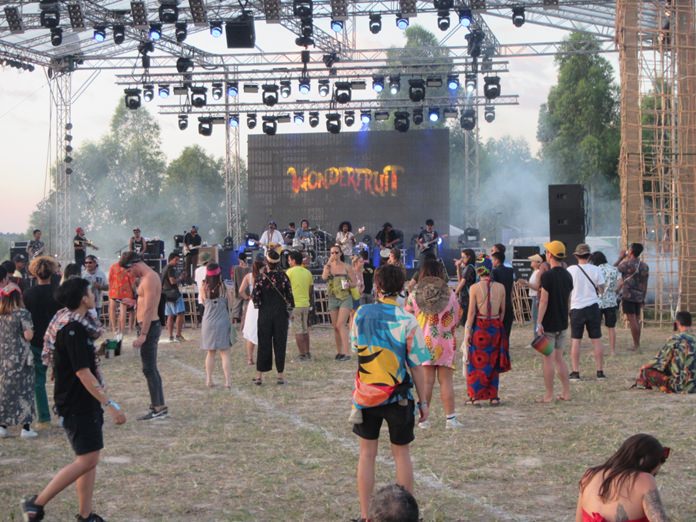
point(36, 247)
point(427, 241)
point(345, 238)
point(192, 243)
point(80, 244)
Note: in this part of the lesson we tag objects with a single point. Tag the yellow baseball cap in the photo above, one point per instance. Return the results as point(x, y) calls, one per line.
point(556, 249)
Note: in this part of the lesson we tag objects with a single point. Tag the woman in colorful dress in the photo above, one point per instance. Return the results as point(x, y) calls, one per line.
point(486, 341)
point(437, 311)
point(340, 278)
point(216, 325)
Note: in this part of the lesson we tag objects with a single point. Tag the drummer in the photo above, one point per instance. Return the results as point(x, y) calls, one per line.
point(345, 239)
point(304, 232)
point(386, 239)
point(271, 238)
point(289, 233)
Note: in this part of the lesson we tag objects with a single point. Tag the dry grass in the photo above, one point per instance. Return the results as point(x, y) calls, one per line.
point(275, 453)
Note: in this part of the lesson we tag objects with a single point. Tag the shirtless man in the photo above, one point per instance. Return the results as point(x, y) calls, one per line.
point(148, 327)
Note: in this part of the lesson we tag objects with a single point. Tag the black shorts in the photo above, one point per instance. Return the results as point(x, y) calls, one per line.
point(631, 307)
point(84, 432)
point(588, 317)
point(400, 420)
point(609, 315)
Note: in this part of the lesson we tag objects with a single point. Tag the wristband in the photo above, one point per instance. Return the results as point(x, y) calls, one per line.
point(421, 404)
point(113, 404)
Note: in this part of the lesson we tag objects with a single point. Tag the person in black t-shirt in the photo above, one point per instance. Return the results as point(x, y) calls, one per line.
point(192, 245)
point(552, 321)
point(368, 278)
point(79, 397)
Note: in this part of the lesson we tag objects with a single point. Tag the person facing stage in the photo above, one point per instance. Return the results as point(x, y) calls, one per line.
point(137, 242)
point(192, 244)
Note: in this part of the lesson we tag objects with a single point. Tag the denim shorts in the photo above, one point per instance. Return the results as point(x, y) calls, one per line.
point(174, 307)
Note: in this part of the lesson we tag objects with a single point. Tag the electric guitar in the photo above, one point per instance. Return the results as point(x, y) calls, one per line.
point(422, 247)
point(348, 238)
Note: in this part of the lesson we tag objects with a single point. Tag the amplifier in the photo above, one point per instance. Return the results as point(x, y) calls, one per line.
point(522, 269)
point(154, 248)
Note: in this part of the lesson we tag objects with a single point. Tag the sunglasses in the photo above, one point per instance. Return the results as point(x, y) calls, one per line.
point(665, 454)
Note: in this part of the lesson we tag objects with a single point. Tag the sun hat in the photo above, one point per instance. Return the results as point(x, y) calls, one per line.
point(583, 249)
point(204, 258)
point(556, 249)
point(432, 295)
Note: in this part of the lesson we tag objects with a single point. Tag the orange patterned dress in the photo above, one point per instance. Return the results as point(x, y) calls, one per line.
point(120, 283)
point(438, 330)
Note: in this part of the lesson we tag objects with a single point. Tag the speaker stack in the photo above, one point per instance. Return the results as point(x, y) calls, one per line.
point(567, 215)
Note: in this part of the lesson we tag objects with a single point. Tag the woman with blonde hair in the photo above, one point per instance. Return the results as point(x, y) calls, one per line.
point(340, 279)
point(216, 326)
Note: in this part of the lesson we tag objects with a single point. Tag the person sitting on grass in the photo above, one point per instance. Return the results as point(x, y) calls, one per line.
point(393, 503)
point(624, 487)
point(673, 369)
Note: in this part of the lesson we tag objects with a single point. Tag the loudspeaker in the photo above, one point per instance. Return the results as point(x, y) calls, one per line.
point(566, 211)
point(154, 248)
point(565, 197)
point(18, 250)
point(240, 32)
point(523, 252)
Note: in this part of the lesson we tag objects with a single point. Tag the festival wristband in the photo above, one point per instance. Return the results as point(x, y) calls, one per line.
point(421, 404)
point(113, 404)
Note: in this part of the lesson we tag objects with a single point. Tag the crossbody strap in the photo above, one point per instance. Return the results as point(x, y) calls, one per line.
point(590, 280)
point(276, 289)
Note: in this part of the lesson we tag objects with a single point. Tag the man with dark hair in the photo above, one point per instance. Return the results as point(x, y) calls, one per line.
point(506, 276)
point(174, 307)
point(97, 279)
point(36, 247)
point(426, 242)
point(149, 329)
point(301, 282)
point(635, 275)
point(391, 348)
point(21, 275)
point(392, 503)
point(192, 245)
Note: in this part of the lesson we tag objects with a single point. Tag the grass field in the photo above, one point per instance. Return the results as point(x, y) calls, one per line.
point(286, 453)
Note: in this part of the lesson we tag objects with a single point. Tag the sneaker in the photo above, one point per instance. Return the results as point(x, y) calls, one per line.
point(302, 357)
point(93, 517)
point(3, 432)
point(600, 374)
point(30, 511)
point(180, 339)
point(172, 340)
point(308, 356)
point(424, 425)
point(28, 434)
point(338, 356)
point(453, 423)
point(574, 376)
point(152, 414)
point(344, 357)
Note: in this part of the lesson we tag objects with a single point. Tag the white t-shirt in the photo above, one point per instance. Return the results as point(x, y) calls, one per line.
point(534, 280)
point(199, 277)
point(584, 294)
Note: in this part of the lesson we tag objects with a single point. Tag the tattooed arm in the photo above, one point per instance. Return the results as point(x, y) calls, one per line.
point(652, 505)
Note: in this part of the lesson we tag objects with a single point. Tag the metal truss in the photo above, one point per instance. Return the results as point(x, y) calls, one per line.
point(61, 90)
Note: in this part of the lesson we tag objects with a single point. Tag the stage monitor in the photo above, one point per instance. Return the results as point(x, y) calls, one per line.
point(367, 178)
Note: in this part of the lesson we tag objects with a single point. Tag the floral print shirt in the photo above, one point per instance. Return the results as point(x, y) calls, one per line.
point(677, 360)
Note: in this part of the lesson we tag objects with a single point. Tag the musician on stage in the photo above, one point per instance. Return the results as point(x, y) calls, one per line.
point(305, 232)
point(386, 239)
point(36, 247)
point(289, 233)
point(426, 243)
point(192, 243)
point(137, 242)
point(271, 237)
point(345, 238)
point(80, 244)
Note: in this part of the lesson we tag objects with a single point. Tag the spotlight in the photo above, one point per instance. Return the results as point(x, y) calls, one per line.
point(443, 20)
point(269, 125)
point(216, 90)
point(270, 95)
point(251, 120)
point(349, 118)
point(233, 121)
point(313, 119)
point(381, 115)
point(401, 121)
point(450, 112)
point(365, 117)
point(119, 34)
point(145, 61)
point(434, 114)
point(333, 123)
point(342, 92)
point(337, 26)
point(148, 92)
point(68, 171)
point(132, 98)
point(489, 113)
point(417, 116)
point(470, 83)
point(168, 12)
point(302, 8)
point(216, 29)
point(491, 87)
point(305, 86)
point(394, 84)
point(473, 42)
point(518, 15)
point(232, 89)
point(453, 82)
point(298, 118)
point(99, 33)
point(56, 36)
point(465, 17)
point(205, 126)
point(416, 90)
point(180, 31)
point(375, 23)
point(401, 21)
point(434, 81)
point(163, 91)
point(14, 19)
point(183, 121)
point(285, 88)
point(324, 87)
point(330, 59)
point(184, 64)
point(155, 32)
point(199, 96)
point(50, 15)
point(468, 119)
point(378, 83)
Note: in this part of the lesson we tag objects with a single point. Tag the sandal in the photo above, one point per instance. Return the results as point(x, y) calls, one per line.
point(257, 381)
point(280, 380)
point(472, 402)
point(494, 402)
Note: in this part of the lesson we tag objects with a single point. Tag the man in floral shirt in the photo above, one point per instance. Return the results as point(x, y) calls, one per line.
point(635, 285)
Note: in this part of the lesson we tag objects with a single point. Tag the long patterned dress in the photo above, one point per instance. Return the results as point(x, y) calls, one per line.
point(488, 355)
point(16, 370)
point(438, 330)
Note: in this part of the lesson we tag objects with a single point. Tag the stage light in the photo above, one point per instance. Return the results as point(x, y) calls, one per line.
point(148, 92)
point(349, 118)
point(269, 125)
point(14, 19)
point(381, 115)
point(198, 12)
point(251, 120)
point(470, 83)
point(449, 112)
point(199, 96)
point(145, 60)
point(269, 95)
point(443, 20)
point(518, 15)
point(378, 83)
point(365, 117)
point(68, 171)
point(302, 8)
point(216, 29)
point(233, 121)
point(183, 121)
point(434, 114)
point(50, 14)
point(394, 84)
point(342, 92)
point(99, 33)
point(473, 42)
point(330, 60)
point(375, 23)
point(180, 31)
point(163, 91)
point(453, 82)
point(216, 90)
point(168, 11)
point(333, 123)
point(465, 17)
point(304, 86)
point(401, 21)
point(119, 34)
point(491, 87)
point(232, 89)
point(324, 87)
point(132, 98)
point(285, 88)
point(56, 36)
point(468, 119)
point(416, 90)
point(489, 113)
point(205, 126)
point(298, 118)
point(313, 119)
point(417, 116)
point(433, 82)
point(337, 26)
point(250, 88)
point(139, 14)
point(401, 121)
point(155, 32)
point(184, 64)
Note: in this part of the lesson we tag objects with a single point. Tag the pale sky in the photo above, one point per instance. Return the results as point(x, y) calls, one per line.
point(26, 119)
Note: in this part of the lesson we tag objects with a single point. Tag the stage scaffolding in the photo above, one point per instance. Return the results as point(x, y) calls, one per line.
point(657, 166)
